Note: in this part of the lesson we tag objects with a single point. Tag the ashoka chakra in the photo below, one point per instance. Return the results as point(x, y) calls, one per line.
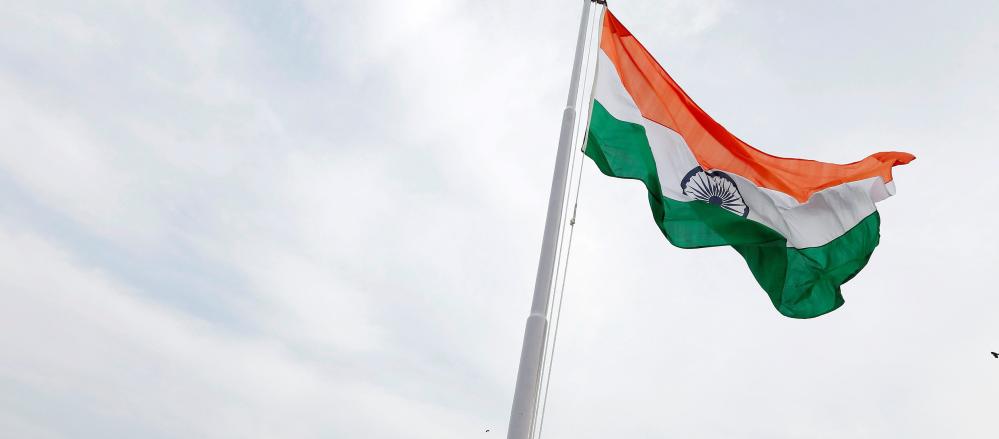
point(715, 188)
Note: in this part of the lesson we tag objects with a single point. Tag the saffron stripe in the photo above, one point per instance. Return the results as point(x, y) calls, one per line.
point(660, 99)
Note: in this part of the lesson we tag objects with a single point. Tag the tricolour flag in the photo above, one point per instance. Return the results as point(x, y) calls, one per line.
point(804, 227)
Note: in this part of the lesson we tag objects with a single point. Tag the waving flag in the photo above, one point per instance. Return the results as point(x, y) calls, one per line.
point(804, 227)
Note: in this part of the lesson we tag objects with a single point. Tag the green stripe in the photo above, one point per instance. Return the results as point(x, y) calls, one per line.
point(801, 283)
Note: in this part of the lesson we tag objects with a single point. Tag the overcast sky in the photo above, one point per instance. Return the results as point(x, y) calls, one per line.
point(245, 219)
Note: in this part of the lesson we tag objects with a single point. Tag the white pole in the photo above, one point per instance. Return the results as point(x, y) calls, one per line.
point(525, 396)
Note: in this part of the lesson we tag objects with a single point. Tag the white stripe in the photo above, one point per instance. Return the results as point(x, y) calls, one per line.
point(673, 157)
point(826, 215)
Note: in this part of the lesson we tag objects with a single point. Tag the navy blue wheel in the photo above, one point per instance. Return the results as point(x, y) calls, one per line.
point(716, 188)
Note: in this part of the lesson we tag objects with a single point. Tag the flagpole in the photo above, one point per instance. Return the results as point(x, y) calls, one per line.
point(525, 396)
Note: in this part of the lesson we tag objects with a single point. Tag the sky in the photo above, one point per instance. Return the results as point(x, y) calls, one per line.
point(241, 219)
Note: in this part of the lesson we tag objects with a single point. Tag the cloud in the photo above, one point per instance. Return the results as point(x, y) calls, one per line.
point(317, 219)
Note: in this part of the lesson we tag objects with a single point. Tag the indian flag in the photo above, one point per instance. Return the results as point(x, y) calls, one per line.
point(804, 227)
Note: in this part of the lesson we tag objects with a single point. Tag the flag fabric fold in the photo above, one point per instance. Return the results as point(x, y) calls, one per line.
point(804, 227)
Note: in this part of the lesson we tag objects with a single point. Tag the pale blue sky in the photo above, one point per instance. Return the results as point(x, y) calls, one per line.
point(322, 219)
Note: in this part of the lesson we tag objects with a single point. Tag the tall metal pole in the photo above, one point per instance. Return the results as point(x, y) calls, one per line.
point(525, 396)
